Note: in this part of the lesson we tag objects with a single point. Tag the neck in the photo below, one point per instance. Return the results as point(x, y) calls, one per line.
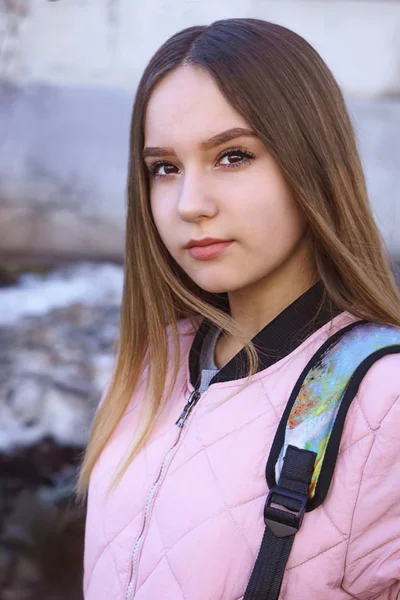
point(255, 306)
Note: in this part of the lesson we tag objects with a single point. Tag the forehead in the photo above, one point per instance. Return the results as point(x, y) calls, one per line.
point(187, 105)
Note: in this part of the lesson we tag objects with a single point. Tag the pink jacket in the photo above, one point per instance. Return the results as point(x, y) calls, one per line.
point(186, 521)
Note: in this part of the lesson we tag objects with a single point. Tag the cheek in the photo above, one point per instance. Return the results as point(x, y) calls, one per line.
point(288, 221)
point(271, 220)
point(162, 215)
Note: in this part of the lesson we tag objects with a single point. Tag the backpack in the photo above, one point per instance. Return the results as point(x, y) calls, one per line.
point(306, 444)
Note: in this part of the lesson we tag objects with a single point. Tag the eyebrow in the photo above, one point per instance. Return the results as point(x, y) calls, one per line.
point(213, 142)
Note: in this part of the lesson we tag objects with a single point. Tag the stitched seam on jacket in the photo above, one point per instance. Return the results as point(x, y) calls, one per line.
point(96, 560)
point(218, 514)
point(389, 409)
point(344, 535)
point(351, 565)
point(95, 565)
point(315, 556)
point(374, 429)
point(358, 493)
point(348, 566)
point(116, 570)
point(343, 450)
point(354, 509)
point(357, 401)
point(112, 540)
point(227, 506)
point(116, 536)
point(269, 400)
point(373, 476)
point(379, 518)
point(105, 473)
point(259, 416)
point(165, 556)
point(128, 574)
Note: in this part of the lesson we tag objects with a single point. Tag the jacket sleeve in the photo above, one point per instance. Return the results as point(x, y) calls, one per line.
point(372, 567)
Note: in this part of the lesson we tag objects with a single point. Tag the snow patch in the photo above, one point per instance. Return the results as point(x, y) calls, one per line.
point(87, 284)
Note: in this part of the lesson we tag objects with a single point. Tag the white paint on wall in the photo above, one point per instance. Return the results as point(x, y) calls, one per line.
point(108, 42)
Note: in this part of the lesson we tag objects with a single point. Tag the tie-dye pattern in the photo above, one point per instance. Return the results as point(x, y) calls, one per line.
point(314, 411)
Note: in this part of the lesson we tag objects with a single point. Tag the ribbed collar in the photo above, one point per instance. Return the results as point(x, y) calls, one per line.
point(279, 338)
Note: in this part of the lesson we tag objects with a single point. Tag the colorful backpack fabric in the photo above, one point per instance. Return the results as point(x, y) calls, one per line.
point(306, 444)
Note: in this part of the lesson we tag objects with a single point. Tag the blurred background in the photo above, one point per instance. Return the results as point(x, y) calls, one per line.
point(68, 73)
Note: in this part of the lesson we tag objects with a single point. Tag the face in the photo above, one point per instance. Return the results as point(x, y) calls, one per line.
point(213, 183)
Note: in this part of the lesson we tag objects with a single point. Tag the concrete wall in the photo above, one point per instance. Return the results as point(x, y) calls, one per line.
point(108, 42)
point(68, 71)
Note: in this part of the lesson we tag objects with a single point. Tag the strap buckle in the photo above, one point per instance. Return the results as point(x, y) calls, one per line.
point(285, 521)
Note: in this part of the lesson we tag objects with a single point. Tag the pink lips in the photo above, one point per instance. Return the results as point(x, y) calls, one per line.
point(207, 251)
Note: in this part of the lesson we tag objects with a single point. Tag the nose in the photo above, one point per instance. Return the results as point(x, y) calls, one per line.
point(196, 201)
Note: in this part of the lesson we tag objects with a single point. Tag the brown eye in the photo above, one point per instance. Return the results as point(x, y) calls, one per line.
point(162, 169)
point(235, 158)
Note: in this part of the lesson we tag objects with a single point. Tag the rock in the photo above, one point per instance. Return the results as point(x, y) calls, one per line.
point(54, 364)
point(55, 360)
point(41, 550)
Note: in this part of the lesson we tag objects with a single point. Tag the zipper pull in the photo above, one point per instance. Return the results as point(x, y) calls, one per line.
point(193, 399)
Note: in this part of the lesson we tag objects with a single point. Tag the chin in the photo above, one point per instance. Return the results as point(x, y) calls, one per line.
point(217, 285)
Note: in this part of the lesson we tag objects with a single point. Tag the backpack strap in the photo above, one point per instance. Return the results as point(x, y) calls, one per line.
point(304, 452)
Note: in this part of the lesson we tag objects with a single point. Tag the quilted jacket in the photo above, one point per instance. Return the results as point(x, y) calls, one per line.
point(186, 520)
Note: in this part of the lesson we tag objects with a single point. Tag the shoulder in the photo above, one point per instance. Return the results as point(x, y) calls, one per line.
point(377, 381)
point(379, 390)
point(372, 558)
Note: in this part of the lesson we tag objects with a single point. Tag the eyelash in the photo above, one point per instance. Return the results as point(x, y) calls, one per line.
point(246, 155)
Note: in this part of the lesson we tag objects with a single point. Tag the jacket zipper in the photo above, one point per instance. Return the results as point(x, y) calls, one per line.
point(192, 401)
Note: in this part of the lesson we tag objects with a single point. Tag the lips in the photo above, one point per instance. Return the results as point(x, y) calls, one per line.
point(207, 249)
point(204, 242)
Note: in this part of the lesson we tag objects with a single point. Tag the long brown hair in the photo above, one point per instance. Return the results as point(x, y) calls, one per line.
point(287, 94)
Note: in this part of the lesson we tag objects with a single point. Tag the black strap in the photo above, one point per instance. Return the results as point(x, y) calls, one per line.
point(291, 493)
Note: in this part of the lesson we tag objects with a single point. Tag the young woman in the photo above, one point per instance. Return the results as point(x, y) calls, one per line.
point(249, 242)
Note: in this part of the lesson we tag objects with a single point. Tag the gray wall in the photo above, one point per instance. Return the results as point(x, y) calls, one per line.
point(68, 71)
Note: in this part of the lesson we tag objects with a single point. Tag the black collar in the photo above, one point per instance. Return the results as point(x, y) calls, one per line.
point(279, 338)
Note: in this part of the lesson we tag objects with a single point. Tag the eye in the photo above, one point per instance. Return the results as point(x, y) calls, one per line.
point(161, 168)
point(235, 157)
